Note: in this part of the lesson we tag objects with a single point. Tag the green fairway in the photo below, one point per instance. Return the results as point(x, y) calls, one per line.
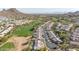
point(27, 29)
point(7, 46)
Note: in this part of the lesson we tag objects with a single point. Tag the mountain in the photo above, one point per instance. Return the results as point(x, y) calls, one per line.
point(72, 14)
point(12, 13)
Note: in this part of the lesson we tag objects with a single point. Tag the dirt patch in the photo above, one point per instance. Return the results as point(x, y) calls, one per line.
point(20, 42)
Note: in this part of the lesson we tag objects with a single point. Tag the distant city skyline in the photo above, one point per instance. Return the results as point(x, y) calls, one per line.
point(46, 10)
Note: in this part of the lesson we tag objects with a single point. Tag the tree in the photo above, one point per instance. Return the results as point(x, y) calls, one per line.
point(64, 47)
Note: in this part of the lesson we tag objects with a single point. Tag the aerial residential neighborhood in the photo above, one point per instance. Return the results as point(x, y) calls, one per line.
point(21, 31)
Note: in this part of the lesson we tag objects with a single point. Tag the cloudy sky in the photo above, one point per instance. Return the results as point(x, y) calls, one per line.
point(47, 10)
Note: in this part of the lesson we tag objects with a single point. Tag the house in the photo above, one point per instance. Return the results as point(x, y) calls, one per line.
point(5, 31)
point(75, 38)
point(38, 44)
point(75, 35)
point(65, 27)
point(3, 18)
point(75, 20)
point(53, 37)
point(49, 43)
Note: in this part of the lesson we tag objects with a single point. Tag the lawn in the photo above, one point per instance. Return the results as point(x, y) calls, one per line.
point(27, 29)
point(7, 46)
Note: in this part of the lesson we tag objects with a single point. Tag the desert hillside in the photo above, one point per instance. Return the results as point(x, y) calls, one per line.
point(12, 13)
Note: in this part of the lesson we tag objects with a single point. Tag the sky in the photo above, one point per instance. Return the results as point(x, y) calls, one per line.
point(46, 10)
